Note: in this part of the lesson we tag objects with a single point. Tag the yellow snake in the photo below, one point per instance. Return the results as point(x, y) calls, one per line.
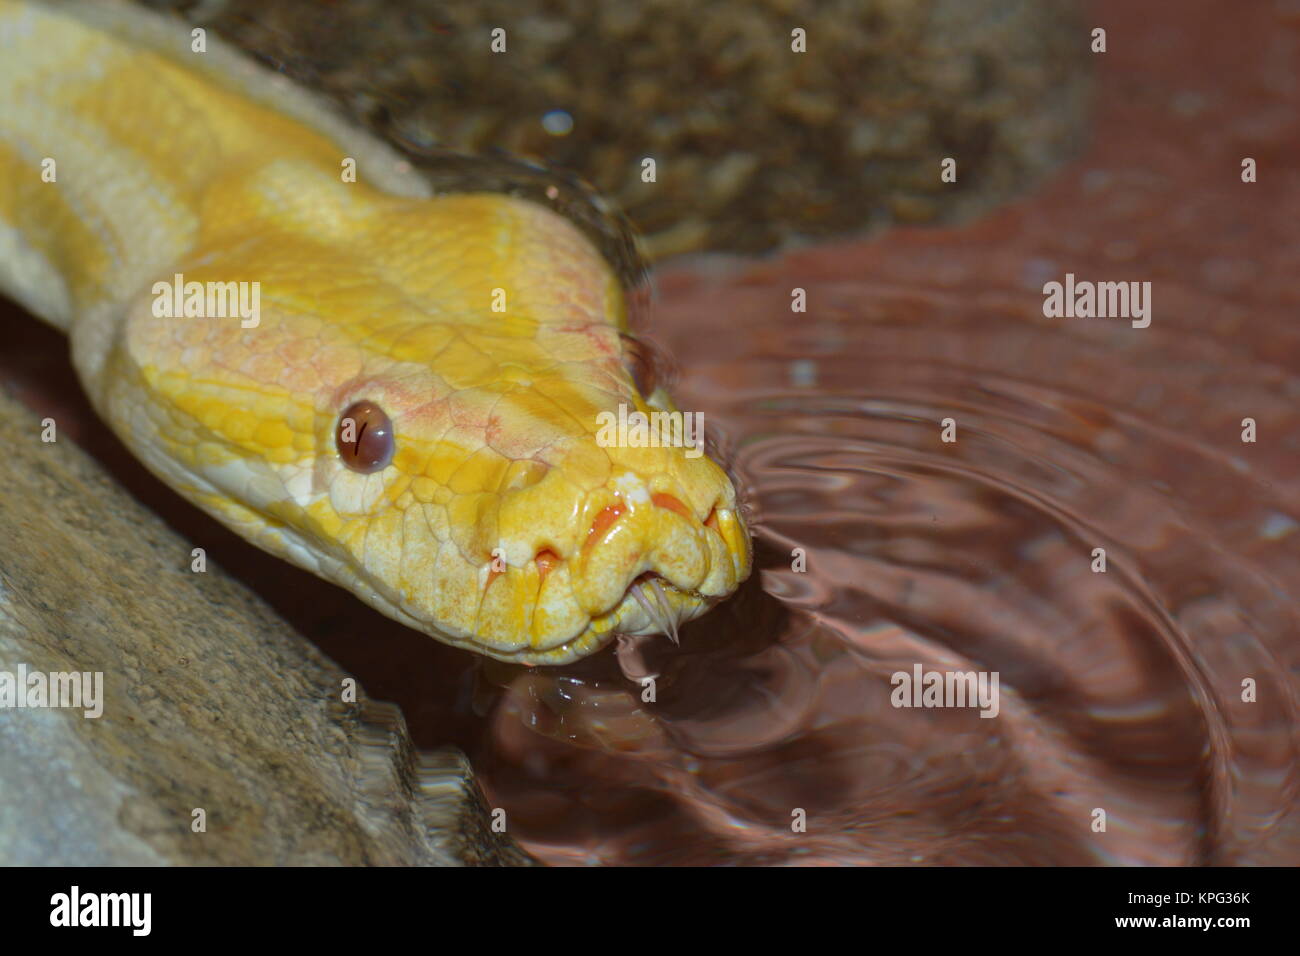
point(414, 411)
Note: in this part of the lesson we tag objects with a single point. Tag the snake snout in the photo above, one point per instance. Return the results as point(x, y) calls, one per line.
point(652, 543)
point(633, 555)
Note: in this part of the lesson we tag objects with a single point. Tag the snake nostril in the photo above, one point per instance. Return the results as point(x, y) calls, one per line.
point(712, 520)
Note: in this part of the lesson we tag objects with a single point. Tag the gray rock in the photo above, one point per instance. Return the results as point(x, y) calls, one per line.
point(209, 700)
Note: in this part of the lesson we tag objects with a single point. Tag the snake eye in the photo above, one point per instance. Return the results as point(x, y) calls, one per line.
point(364, 437)
point(639, 359)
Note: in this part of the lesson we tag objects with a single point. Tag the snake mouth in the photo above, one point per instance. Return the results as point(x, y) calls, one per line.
point(635, 557)
point(646, 565)
point(664, 606)
point(650, 567)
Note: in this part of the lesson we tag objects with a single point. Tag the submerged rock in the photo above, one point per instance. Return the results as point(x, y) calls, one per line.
point(208, 702)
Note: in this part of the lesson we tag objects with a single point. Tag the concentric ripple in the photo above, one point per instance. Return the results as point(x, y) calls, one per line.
point(1160, 696)
point(1120, 691)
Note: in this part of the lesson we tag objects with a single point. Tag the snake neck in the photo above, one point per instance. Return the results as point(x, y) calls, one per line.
point(126, 136)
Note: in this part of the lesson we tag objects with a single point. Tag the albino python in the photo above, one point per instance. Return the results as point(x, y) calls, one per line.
point(413, 412)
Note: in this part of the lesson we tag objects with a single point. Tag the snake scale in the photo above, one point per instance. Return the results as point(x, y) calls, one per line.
point(413, 412)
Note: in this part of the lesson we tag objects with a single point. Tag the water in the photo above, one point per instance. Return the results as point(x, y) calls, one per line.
point(1119, 691)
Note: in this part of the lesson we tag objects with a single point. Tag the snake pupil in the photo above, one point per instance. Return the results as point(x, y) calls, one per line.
point(364, 437)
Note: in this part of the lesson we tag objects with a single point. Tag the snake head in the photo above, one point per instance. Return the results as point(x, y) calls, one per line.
point(428, 413)
point(534, 493)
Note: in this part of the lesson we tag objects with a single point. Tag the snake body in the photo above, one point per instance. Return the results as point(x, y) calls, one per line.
point(485, 331)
